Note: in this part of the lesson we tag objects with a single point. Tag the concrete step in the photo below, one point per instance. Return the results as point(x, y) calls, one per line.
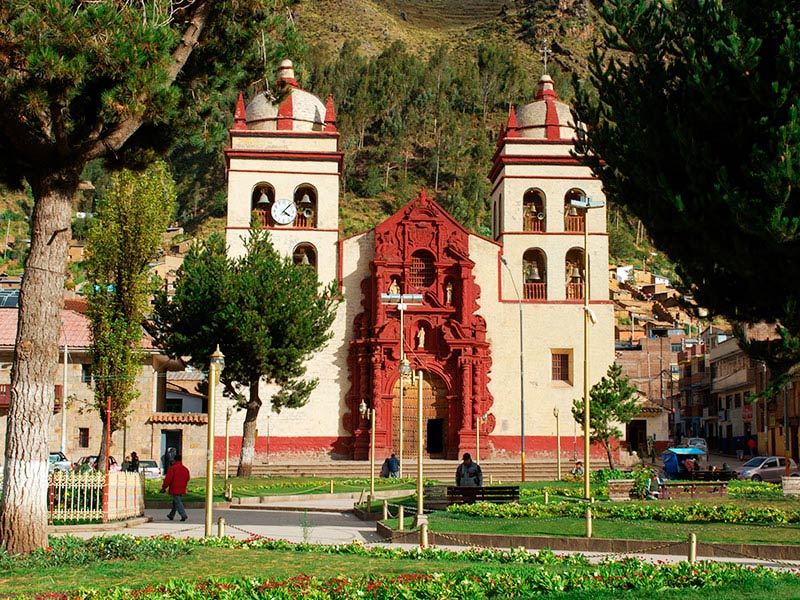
point(496, 471)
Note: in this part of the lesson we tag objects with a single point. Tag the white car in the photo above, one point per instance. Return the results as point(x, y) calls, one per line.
point(698, 442)
point(150, 469)
point(59, 462)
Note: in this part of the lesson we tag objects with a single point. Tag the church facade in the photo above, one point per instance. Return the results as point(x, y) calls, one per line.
point(493, 327)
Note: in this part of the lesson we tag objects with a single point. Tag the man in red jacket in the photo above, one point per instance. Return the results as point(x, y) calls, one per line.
point(176, 480)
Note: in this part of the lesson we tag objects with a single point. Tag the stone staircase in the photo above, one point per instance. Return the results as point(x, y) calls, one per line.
point(442, 470)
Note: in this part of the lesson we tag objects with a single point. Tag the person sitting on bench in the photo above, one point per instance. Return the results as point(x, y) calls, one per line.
point(469, 473)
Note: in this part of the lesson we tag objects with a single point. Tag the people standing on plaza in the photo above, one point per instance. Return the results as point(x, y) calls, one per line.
point(133, 465)
point(751, 445)
point(394, 466)
point(739, 448)
point(175, 481)
point(469, 473)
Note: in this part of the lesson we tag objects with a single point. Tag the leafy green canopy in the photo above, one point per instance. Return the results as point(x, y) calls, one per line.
point(80, 79)
point(125, 237)
point(613, 400)
point(267, 315)
point(695, 127)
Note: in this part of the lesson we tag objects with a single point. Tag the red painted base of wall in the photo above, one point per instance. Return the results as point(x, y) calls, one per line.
point(494, 446)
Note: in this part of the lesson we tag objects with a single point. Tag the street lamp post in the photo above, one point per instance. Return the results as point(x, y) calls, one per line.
point(362, 408)
point(216, 364)
point(228, 414)
point(585, 203)
point(521, 376)
point(558, 443)
point(420, 447)
point(402, 301)
point(479, 420)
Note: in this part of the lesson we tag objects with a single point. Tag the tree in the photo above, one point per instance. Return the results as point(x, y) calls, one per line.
point(81, 81)
point(613, 401)
point(267, 315)
point(125, 237)
point(694, 124)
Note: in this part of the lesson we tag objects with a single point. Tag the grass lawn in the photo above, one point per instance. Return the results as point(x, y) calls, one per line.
point(274, 486)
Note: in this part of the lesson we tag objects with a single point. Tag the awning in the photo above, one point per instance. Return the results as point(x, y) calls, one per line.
point(686, 451)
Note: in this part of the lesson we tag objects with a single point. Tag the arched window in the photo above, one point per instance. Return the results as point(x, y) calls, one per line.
point(260, 203)
point(423, 270)
point(534, 265)
point(574, 274)
point(533, 211)
point(305, 254)
point(573, 217)
point(305, 198)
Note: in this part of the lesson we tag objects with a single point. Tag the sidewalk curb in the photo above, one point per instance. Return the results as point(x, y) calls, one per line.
point(101, 527)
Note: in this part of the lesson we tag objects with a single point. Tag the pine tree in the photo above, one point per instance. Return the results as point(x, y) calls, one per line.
point(694, 124)
point(613, 400)
point(267, 315)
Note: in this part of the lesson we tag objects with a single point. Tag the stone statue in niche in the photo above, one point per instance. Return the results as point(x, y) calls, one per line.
point(421, 338)
point(394, 288)
point(448, 293)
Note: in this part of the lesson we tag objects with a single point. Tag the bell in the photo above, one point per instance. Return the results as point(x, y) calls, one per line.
point(305, 200)
point(573, 212)
point(263, 200)
point(304, 260)
point(575, 272)
point(533, 272)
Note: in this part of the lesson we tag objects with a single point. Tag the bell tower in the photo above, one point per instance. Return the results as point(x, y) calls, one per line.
point(284, 167)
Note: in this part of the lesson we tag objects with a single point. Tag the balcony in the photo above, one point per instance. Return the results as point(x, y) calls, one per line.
point(535, 291)
point(532, 223)
point(573, 223)
point(5, 397)
point(575, 291)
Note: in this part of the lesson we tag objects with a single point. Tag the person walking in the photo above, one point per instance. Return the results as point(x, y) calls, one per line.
point(469, 473)
point(751, 446)
point(176, 479)
point(394, 466)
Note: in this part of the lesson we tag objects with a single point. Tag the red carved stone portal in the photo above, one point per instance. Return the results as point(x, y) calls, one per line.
point(420, 250)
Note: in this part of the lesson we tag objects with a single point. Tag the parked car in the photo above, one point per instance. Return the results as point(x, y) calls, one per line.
point(698, 442)
point(59, 462)
point(148, 468)
point(90, 462)
point(767, 468)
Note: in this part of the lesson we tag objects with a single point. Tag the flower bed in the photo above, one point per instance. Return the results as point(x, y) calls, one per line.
point(652, 511)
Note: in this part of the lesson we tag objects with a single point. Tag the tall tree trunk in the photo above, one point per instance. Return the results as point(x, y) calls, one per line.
point(249, 432)
point(607, 446)
point(23, 511)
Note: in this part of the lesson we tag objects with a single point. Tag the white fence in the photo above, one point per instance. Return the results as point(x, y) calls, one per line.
point(85, 497)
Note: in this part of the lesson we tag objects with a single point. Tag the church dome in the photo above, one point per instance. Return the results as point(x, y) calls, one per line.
point(299, 111)
point(545, 118)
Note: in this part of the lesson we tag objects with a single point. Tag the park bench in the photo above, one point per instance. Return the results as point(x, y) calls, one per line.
point(497, 494)
point(713, 475)
point(620, 489)
point(692, 489)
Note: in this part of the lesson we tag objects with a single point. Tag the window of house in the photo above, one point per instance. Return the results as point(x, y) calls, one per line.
point(174, 405)
point(675, 347)
point(560, 366)
point(737, 401)
point(83, 437)
point(86, 373)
